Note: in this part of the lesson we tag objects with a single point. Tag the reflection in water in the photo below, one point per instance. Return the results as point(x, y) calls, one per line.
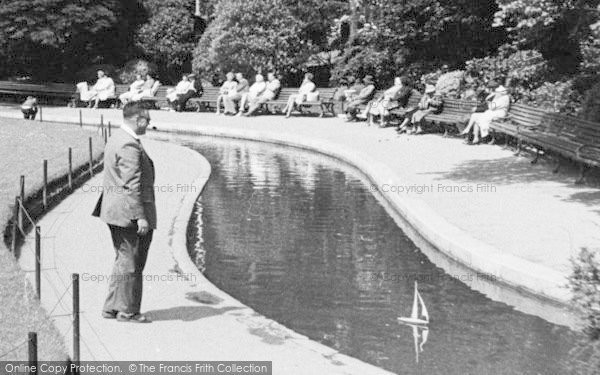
point(301, 240)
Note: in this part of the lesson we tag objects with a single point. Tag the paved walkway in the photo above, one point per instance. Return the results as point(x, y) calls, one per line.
point(192, 319)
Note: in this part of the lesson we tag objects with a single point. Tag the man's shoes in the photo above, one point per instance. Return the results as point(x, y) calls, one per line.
point(132, 318)
point(110, 314)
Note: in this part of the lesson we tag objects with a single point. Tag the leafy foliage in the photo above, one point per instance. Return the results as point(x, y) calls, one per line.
point(252, 36)
point(46, 38)
point(584, 283)
point(168, 37)
point(554, 27)
point(522, 71)
point(434, 32)
point(556, 97)
point(591, 104)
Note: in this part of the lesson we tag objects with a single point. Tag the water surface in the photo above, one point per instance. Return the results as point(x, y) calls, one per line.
point(300, 239)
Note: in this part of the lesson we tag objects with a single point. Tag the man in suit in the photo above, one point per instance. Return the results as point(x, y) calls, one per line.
point(127, 205)
point(195, 90)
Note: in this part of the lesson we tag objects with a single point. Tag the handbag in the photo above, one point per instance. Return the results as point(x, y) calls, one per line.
point(312, 96)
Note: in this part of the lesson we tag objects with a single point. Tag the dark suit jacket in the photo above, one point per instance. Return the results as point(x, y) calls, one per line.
point(128, 187)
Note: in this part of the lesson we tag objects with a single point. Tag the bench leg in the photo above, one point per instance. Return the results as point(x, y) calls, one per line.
point(583, 169)
point(505, 142)
point(557, 167)
point(322, 111)
point(518, 151)
point(537, 156)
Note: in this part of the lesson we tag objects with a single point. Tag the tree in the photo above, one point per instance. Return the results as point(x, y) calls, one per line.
point(423, 33)
point(168, 38)
point(554, 27)
point(50, 39)
point(252, 36)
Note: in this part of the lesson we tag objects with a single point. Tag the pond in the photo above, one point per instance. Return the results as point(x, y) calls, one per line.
point(300, 238)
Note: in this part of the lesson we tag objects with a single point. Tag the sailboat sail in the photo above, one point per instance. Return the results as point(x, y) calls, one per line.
point(424, 312)
point(418, 305)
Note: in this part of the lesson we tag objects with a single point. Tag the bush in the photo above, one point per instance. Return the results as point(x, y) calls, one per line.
point(252, 36)
point(555, 97)
point(168, 37)
point(591, 104)
point(584, 283)
point(136, 66)
point(360, 61)
point(523, 70)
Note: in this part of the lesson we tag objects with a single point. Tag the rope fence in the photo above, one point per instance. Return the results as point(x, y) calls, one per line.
point(25, 210)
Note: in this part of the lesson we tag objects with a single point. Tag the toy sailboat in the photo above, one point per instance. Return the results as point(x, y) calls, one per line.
point(419, 315)
point(419, 322)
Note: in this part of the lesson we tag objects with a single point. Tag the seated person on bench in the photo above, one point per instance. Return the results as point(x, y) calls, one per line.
point(253, 93)
point(306, 88)
point(430, 103)
point(194, 90)
point(103, 90)
point(363, 97)
point(146, 89)
point(271, 91)
point(227, 87)
point(29, 108)
point(497, 108)
point(394, 97)
point(172, 94)
point(233, 97)
point(134, 88)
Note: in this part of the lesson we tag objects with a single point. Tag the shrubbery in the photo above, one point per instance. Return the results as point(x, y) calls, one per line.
point(591, 104)
point(136, 66)
point(584, 283)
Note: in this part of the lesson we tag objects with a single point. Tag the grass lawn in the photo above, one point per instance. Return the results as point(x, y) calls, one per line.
point(23, 147)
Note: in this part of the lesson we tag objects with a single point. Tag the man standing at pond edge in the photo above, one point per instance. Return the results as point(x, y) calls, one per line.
point(127, 205)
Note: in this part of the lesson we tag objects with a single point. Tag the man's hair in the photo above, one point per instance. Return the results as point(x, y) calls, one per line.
point(309, 76)
point(133, 109)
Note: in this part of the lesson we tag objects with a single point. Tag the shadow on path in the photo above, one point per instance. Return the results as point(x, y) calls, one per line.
point(188, 313)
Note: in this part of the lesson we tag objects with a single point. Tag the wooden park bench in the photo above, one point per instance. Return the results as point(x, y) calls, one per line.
point(325, 102)
point(453, 112)
point(206, 102)
point(46, 93)
point(552, 133)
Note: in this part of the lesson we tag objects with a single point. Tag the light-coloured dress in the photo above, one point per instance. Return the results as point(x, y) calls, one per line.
point(497, 108)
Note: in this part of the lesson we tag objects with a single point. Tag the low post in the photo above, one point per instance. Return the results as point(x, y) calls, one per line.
point(75, 279)
point(40, 107)
point(102, 122)
point(32, 336)
point(13, 240)
point(105, 131)
point(38, 262)
point(45, 188)
point(109, 129)
point(91, 157)
point(70, 175)
point(22, 198)
point(80, 119)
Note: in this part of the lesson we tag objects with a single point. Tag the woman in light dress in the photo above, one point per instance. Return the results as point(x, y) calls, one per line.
point(229, 86)
point(255, 91)
point(307, 87)
point(134, 88)
point(498, 105)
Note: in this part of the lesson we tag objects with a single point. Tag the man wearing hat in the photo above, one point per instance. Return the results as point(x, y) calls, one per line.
point(364, 96)
point(195, 90)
